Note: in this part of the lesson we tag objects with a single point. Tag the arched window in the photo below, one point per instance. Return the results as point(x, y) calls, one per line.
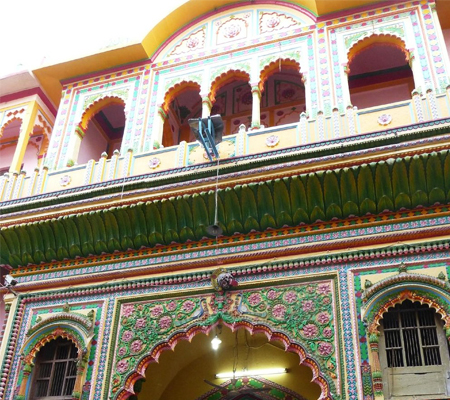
point(414, 354)
point(55, 371)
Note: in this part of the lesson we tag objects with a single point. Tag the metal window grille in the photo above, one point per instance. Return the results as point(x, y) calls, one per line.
point(56, 370)
point(410, 336)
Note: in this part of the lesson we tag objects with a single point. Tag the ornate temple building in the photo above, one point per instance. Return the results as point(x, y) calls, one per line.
point(309, 260)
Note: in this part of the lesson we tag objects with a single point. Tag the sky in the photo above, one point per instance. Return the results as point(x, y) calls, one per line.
point(36, 33)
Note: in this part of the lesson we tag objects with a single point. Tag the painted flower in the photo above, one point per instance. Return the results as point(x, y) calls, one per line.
point(311, 289)
point(323, 318)
point(188, 306)
point(65, 180)
point(136, 346)
point(310, 331)
point(127, 310)
point(157, 311)
point(172, 305)
point(127, 336)
point(327, 332)
point(154, 163)
point(384, 119)
point(272, 295)
point(272, 140)
point(308, 306)
point(326, 300)
point(290, 297)
point(325, 349)
point(122, 366)
point(165, 322)
point(122, 351)
point(323, 288)
point(272, 21)
point(231, 31)
point(278, 311)
point(140, 323)
point(254, 299)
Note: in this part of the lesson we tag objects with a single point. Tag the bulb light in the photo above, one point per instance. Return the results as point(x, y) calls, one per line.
point(215, 343)
point(251, 372)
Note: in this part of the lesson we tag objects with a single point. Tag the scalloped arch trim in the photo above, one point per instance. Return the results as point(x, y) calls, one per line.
point(177, 89)
point(374, 40)
point(15, 118)
point(83, 322)
point(272, 66)
point(97, 106)
point(225, 77)
point(139, 372)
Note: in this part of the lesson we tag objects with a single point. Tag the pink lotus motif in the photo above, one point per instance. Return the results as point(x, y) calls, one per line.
point(327, 333)
point(323, 318)
point(231, 31)
point(140, 323)
point(154, 163)
point(192, 43)
point(188, 306)
point(272, 141)
point(325, 349)
point(136, 346)
point(272, 295)
point(384, 119)
point(65, 180)
point(165, 322)
point(122, 366)
point(290, 297)
point(323, 288)
point(171, 306)
point(122, 351)
point(273, 21)
point(310, 331)
point(127, 310)
point(308, 306)
point(254, 299)
point(157, 311)
point(127, 336)
point(278, 311)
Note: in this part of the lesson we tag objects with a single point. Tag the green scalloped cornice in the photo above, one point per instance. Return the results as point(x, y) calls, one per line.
point(392, 185)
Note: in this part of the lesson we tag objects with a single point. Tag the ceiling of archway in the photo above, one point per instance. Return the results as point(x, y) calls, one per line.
point(181, 373)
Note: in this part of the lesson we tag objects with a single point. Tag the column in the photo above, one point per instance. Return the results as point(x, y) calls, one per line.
point(26, 372)
point(158, 128)
point(78, 387)
point(377, 375)
point(206, 106)
point(26, 128)
point(256, 107)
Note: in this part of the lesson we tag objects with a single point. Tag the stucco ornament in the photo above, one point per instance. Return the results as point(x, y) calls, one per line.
point(65, 180)
point(384, 119)
point(272, 140)
point(221, 280)
point(155, 162)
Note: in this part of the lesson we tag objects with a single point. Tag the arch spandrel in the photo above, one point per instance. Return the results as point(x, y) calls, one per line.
point(301, 317)
point(230, 24)
point(93, 106)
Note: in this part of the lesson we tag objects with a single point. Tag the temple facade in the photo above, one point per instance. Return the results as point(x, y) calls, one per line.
point(309, 260)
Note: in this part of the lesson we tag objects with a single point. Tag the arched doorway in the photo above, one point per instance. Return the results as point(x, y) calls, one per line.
point(181, 103)
point(182, 373)
point(379, 72)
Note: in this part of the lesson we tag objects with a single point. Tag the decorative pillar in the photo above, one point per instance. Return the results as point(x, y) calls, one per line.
point(101, 167)
point(74, 146)
point(350, 113)
point(81, 367)
point(303, 128)
point(206, 106)
point(32, 183)
point(320, 125)
point(41, 180)
point(18, 185)
point(346, 97)
point(3, 185)
point(26, 128)
point(158, 127)
point(377, 375)
point(10, 186)
point(432, 104)
point(417, 101)
point(256, 107)
point(26, 372)
point(335, 117)
point(113, 165)
point(127, 163)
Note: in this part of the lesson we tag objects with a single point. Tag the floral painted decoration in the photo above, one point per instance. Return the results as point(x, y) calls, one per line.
point(272, 141)
point(65, 180)
point(155, 162)
point(384, 119)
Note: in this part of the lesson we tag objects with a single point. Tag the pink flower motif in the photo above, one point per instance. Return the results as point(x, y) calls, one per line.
point(272, 295)
point(323, 318)
point(172, 305)
point(278, 311)
point(323, 288)
point(310, 289)
point(136, 346)
point(188, 306)
point(157, 311)
point(308, 306)
point(127, 336)
point(327, 332)
point(290, 297)
point(325, 349)
point(140, 323)
point(165, 322)
point(127, 310)
point(326, 300)
point(310, 331)
point(254, 299)
point(122, 366)
point(122, 351)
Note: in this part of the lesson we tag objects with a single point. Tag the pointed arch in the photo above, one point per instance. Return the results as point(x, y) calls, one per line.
point(9, 122)
point(177, 89)
point(271, 66)
point(223, 77)
point(97, 106)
